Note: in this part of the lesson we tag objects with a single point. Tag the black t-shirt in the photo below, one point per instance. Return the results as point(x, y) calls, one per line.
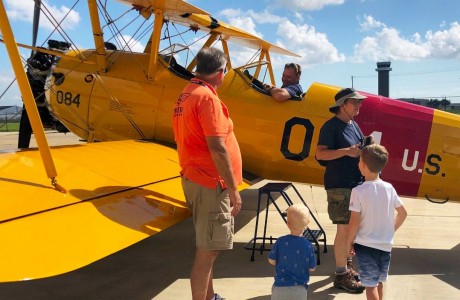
point(341, 172)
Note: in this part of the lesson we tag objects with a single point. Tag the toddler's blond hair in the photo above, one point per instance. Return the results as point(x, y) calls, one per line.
point(298, 216)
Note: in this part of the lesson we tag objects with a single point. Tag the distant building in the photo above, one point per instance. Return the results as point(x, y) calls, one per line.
point(383, 68)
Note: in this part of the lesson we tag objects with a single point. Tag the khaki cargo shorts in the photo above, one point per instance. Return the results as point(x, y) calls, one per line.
point(338, 201)
point(214, 224)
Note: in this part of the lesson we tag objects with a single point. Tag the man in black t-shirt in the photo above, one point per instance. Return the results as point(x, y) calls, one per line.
point(339, 144)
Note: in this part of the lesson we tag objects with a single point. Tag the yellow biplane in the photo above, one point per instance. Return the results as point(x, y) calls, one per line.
point(99, 198)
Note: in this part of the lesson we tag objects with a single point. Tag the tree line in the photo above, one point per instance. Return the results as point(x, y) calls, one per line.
point(436, 103)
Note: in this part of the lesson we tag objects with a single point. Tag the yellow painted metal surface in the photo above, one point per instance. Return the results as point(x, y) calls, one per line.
point(125, 105)
point(444, 152)
point(118, 194)
point(122, 105)
point(178, 6)
point(98, 36)
point(261, 136)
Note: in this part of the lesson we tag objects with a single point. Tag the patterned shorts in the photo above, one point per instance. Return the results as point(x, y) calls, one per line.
point(338, 205)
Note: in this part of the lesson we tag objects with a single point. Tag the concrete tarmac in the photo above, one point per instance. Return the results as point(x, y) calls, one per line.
point(425, 259)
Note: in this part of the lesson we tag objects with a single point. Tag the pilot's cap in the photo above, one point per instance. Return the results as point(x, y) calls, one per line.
point(345, 94)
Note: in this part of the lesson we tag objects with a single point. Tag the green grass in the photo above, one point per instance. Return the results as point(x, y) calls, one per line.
point(455, 111)
point(10, 126)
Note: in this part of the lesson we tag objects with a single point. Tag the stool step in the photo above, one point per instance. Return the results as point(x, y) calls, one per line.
point(258, 243)
point(313, 235)
point(275, 187)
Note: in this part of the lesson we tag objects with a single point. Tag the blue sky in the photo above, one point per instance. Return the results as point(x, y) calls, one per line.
point(337, 39)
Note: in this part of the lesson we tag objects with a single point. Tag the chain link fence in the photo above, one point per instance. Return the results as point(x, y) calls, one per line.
point(9, 121)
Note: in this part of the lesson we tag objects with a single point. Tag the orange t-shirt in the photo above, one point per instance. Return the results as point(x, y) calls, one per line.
point(199, 113)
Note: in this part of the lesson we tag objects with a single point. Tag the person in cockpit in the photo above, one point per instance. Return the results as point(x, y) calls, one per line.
point(291, 88)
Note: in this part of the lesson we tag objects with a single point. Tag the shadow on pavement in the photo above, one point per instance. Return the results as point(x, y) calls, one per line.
point(145, 269)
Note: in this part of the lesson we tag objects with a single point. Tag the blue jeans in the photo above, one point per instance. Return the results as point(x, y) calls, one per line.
point(373, 265)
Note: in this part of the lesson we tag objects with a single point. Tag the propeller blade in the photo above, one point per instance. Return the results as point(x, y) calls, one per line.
point(25, 128)
point(36, 22)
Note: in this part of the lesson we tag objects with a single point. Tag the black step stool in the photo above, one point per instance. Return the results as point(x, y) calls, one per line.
point(313, 235)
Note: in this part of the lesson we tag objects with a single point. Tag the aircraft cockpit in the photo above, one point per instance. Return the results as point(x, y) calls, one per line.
point(251, 73)
point(183, 53)
point(255, 74)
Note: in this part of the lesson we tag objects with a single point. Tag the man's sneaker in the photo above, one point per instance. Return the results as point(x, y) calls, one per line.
point(352, 269)
point(348, 282)
point(217, 297)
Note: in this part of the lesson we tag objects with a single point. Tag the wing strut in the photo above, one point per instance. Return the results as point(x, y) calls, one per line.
point(158, 24)
point(212, 38)
point(28, 98)
point(98, 36)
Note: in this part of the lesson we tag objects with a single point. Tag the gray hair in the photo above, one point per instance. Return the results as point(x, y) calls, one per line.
point(209, 60)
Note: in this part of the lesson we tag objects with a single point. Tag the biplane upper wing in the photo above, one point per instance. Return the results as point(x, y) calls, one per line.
point(178, 11)
point(177, 6)
point(228, 32)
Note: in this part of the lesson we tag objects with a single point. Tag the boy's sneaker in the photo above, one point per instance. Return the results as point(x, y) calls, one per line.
point(348, 282)
point(217, 297)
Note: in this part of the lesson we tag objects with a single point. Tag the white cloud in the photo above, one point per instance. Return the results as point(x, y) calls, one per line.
point(303, 39)
point(389, 44)
point(266, 17)
point(445, 43)
point(314, 46)
point(24, 11)
point(132, 44)
point(306, 4)
point(263, 17)
point(298, 16)
point(230, 13)
point(369, 23)
point(380, 43)
point(248, 19)
point(247, 23)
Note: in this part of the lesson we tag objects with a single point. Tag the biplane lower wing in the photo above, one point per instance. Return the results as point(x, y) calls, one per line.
point(118, 193)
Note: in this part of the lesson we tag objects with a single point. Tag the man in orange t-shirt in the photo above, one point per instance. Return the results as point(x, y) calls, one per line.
point(211, 167)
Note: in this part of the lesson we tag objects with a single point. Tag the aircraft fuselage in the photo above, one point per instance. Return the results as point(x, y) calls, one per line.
point(277, 140)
